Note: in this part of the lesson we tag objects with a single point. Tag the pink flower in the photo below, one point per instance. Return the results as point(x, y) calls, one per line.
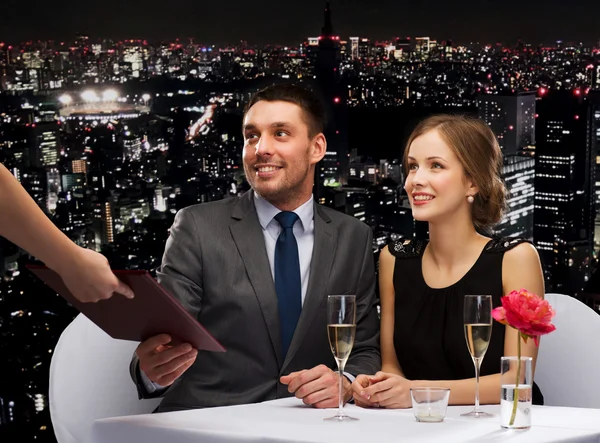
point(526, 312)
point(531, 316)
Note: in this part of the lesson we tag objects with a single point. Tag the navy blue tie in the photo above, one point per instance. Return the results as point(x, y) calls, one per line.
point(288, 284)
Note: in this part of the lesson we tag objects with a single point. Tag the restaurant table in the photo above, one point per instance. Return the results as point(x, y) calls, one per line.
point(290, 421)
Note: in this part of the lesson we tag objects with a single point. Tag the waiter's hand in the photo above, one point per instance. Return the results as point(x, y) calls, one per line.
point(87, 275)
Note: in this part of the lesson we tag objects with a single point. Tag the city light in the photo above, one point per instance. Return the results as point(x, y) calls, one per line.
point(146, 97)
point(65, 99)
point(110, 95)
point(89, 96)
point(39, 402)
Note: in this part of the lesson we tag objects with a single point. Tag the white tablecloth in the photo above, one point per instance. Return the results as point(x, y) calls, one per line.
point(289, 421)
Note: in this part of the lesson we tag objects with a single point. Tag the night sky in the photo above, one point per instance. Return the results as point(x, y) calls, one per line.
point(291, 21)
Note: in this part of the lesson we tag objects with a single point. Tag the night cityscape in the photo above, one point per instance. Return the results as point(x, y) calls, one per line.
point(111, 137)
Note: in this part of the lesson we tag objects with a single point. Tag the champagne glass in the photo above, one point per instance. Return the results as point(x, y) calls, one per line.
point(341, 327)
point(477, 317)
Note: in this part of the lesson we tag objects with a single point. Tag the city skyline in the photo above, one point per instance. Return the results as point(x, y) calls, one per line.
point(111, 138)
point(264, 22)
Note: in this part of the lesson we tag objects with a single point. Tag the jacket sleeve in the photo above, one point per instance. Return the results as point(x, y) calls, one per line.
point(181, 275)
point(365, 357)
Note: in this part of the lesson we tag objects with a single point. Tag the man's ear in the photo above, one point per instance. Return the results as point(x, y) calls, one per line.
point(318, 148)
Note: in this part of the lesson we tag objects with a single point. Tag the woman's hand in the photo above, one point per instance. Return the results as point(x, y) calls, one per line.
point(358, 386)
point(383, 389)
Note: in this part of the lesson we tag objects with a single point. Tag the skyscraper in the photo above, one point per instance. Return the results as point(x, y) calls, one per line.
point(34, 181)
point(564, 188)
point(3, 413)
point(310, 51)
point(422, 46)
point(79, 166)
point(333, 168)
point(518, 173)
point(53, 186)
point(354, 47)
point(108, 230)
point(43, 144)
point(511, 117)
point(594, 135)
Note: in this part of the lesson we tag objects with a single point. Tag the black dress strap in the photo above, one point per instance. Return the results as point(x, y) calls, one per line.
point(503, 244)
point(403, 248)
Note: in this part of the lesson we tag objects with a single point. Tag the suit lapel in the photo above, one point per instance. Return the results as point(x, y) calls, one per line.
point(320, 267)
point(249, 239)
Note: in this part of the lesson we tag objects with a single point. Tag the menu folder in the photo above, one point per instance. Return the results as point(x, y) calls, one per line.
point(151, 312)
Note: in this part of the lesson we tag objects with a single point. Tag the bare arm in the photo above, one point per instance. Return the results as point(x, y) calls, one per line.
point(389, 359)
point(85, 272)
point(23, 223)
point(521, 268)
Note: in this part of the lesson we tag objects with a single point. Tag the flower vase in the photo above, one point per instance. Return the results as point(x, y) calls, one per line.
point(516, 392)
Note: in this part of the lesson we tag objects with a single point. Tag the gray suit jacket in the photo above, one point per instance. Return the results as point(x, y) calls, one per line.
point(216, 264)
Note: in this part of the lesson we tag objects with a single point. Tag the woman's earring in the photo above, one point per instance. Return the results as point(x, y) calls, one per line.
point(470, 199)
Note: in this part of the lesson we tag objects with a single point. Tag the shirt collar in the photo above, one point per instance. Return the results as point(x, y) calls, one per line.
point(266, 211)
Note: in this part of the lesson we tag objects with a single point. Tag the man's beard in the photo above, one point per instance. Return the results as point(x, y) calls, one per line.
point(283, 191)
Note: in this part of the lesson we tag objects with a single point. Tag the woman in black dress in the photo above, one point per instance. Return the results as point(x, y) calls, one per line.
point(453, 166)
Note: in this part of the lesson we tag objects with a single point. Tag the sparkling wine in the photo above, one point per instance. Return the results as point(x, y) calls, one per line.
point(478, 338)
point(477, 318)
point(341, 339)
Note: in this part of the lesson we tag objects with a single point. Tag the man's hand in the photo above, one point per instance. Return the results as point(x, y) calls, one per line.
point(88, 276)
point(163, 364)
point(318, 387)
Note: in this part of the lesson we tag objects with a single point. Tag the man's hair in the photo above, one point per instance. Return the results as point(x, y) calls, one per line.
point(313, 109)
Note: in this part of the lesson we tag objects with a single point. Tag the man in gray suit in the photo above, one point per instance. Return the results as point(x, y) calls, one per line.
point(256, 272)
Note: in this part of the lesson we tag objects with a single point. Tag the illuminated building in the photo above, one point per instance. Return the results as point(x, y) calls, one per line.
point(132, 210)
point(518, 173)
point(422, 46)
point(107, 224)
point(132, 147)
point(332, 170)
point(354, 41)
point(53, 187)
point(79, 166)
point(511, 118)
point(101, 106)
point(44, 144)
point(564, 189)
point(72, 182)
